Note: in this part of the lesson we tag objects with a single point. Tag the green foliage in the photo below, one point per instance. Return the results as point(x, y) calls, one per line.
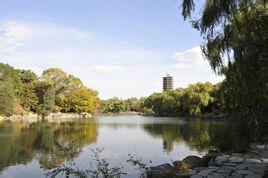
point(117, 105)
point(46, 96)
point(6, 97)
point(81, 100)
point(114, 105)
point(237, 29)
point(194, 100)
point(22, 91)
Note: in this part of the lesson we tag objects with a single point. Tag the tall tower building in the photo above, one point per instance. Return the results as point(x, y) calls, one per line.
point(167, 83)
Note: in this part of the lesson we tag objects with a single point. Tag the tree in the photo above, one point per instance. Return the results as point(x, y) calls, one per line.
point(62, 83)
point(114, 105)
point(27, 97)
point(46, 97)
point(196, 98)
point(6, 97)
point(237, 29)
point(81, 100)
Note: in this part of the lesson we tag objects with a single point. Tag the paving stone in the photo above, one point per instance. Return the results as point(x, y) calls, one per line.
point(264, 153)
point(254, 176)
point(236, 159)
point(213, 167)
point(258, 170)
point(244, 172)
point(225, 172)
point(253, 160)
point(203, 174)
point(261, 146)
point(220, 160)
point(230, 164)
point(196, 176)
point(237, 155)
point(236, 176)
point(242, 166)
point(230, 167)
point(216, 176)
point(265, 160)
point(205, 171)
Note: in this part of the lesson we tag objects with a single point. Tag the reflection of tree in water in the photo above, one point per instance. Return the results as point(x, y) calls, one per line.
point(51, 143)
point(201, 135)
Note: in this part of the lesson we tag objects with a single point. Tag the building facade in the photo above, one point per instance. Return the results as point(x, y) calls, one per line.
point(167, 83)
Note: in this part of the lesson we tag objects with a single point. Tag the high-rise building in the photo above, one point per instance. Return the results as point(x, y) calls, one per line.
point(167, 83)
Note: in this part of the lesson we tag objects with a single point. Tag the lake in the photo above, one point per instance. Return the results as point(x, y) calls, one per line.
point(31, 149)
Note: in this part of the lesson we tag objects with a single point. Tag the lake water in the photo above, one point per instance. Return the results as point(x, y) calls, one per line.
point(31, 149)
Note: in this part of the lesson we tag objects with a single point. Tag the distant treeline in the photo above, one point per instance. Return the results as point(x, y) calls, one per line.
point(22, 91)
point(194, 100)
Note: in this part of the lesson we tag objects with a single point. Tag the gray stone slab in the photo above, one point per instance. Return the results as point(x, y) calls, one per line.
point(205, 171)
point(203, 174)
point(196, 176)
point(253, 160)
point(221, 159)
point(244, 172)
point(216, 176)
point(236, 159)
point(242, 166)
point(230, 164)
point(230, 167)
point(265, 160)
point(236, 176)
point(254, 176)
point(213, 167)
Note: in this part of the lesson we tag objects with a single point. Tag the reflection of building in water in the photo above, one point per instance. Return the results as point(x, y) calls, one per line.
point(167, 83)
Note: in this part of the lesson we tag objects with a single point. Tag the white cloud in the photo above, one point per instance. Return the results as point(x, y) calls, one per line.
point(109, 67)
point(13, 35)
point(190, 67)
point(189, 58)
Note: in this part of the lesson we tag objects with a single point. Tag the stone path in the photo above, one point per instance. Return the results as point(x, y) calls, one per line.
point(253, 164)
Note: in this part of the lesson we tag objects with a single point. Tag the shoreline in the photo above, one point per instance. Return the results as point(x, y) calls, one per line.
point(33, 117)
point(253, 163)
point(53, 117)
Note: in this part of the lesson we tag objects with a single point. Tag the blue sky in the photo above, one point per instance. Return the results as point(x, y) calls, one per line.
point(120, 48)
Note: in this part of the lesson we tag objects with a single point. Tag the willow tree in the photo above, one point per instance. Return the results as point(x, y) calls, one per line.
point(235, 44)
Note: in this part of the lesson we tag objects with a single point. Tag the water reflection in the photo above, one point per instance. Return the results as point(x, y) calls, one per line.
point(202, 135)
point(51, 144)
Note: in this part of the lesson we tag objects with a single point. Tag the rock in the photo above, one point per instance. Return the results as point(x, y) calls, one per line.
point(185, 174)
point(161, 167)
point(159, 171)
point(191, 162)
point(176, 163)
point(199, 168)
